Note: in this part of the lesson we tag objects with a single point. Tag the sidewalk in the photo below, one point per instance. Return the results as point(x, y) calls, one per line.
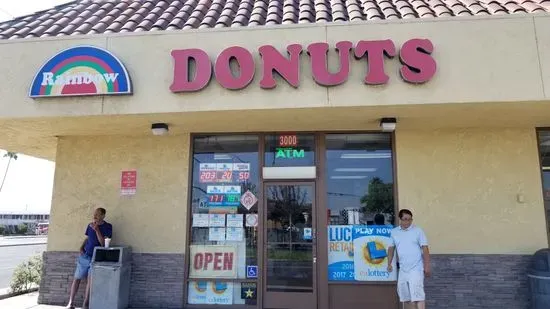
point(25, 301)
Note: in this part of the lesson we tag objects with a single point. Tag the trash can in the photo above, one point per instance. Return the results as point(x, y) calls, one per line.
point(110, 275)
point(539, 279)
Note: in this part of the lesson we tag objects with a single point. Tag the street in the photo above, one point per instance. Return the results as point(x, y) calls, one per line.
point(11, 256)
point(5, 241)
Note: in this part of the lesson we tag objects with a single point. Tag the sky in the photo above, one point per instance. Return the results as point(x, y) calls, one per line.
point(13, 8)
point(29, 181)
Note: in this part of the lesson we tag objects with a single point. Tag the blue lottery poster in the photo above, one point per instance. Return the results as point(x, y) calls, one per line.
point(340, 253)
point(359, 253)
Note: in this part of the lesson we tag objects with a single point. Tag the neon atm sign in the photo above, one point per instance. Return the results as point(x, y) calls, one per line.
point(417, 64)
point(286, 147)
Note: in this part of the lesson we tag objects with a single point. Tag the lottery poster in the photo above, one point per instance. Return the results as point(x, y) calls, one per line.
point(359, 253)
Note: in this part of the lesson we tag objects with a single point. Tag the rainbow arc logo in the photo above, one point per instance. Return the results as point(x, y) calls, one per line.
point(81, 71)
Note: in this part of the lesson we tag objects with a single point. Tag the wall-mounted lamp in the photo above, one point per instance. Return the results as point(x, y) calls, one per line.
point(388, 124)
point(159, 128)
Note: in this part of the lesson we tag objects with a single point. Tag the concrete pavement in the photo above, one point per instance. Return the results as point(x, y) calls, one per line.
point(25, 301)
point(8, 241)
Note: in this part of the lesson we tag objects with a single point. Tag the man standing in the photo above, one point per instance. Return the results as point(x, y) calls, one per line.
point(96, 232)
point(414, 260)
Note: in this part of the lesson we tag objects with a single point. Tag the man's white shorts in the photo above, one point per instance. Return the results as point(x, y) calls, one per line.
point(410, 286)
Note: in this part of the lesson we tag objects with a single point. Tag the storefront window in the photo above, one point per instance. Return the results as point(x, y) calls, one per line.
point(223, 265)
point(289, 150)
point(360, 202)
point(544, 148)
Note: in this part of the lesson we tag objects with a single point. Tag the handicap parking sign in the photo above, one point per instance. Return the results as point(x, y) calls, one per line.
point(251, 271)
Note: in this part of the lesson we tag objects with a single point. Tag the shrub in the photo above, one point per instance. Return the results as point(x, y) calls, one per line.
point(27, 275)
point(21, 229)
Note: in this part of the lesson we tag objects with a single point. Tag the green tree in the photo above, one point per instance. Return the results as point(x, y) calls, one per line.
point(379, 197)
point(11, 156)
point(22, 229)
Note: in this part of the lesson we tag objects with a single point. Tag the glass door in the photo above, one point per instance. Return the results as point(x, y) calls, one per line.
point(290, 246)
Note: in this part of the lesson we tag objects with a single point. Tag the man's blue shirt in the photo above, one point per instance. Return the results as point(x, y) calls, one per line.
point(92, 242)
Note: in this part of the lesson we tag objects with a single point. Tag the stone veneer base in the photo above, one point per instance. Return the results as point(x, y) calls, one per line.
point(461, 281)
point(156, 281)
point(475, 281)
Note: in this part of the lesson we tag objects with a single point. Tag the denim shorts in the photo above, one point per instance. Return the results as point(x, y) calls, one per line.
point(82, 266)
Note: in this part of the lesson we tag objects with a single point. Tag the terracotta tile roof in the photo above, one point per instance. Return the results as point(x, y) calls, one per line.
point(92, 17)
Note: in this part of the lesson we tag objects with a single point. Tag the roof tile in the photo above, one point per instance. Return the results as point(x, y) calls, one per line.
point(112, 16)
point(532, 7)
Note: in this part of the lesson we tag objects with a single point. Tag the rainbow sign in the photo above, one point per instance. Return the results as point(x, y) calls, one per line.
point(81, 71)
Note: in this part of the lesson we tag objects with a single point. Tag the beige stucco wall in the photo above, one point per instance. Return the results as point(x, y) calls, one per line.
point(88, 171)
point(489, 59)
point(500, 60)
point(463, 187)
point(493, 74)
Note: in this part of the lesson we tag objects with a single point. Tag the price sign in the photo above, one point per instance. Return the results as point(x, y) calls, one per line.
point(244, 176)
point(207, 176)
point(226, 176)
point(223, 199)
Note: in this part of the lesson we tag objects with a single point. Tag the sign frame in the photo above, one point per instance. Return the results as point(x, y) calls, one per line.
point(108, 72)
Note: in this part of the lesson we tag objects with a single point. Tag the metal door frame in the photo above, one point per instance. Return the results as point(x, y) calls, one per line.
point(288, 300)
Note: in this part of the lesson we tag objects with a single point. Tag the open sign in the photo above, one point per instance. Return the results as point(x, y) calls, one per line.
point(213, 261)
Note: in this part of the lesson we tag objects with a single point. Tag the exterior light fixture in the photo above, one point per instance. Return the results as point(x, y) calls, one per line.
point(388, 124)
point(159, 129)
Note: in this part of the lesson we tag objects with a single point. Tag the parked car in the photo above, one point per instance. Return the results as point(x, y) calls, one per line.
point(42, 228)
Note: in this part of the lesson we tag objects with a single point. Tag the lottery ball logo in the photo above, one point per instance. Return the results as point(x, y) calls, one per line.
point(374, 252)
point(200, 286)
point(219, 287)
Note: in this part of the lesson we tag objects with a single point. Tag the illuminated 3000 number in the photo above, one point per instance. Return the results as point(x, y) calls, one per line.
point(288, 140)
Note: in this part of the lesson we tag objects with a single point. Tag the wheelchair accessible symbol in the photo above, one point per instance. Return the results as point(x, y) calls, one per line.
point(251, 271)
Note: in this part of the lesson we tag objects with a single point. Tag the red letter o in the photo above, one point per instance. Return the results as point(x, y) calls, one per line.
point(198, 261)
point(222, 69)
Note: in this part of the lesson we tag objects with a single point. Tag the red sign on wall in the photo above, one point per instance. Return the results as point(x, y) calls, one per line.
point(128, 183)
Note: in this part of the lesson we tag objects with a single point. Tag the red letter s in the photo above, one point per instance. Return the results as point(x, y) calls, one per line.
point(418, 64)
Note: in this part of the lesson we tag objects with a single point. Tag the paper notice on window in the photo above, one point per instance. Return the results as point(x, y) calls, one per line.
point(217, 220)
point(200, 220)
point(235, 220)
point(216, 234)
point(251, 220)
point(235, 234)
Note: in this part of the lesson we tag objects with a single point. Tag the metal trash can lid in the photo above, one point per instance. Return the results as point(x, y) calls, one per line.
point(540, 263)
